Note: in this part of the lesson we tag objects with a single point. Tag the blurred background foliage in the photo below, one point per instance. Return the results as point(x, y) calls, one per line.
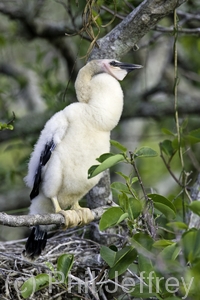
point(44, 43)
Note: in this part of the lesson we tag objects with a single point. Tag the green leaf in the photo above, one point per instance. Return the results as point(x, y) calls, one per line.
point(134, 208)
point(4, 126)
point(123, 259)
point(134, 179)
point(109, 162)
point(64, 265)
point(122, 218)
point(166, 147)
point(195, 133)
point(104, 157)
point(143, 244)
point(108, 255)
point(145, 152)
point(193, 136)
point(110, 217)
point(118, 145)
point(167, 132)
point(195, 207)
point(163, 205)
point(142, 291)
point(145, 265)
point(123, 200)
point(91, 170)
point(122, 175)
point(50, 266)
point(162, 243)
point(175, 143)
point(170, 252)
point(10, 127)
point(178, 225)
point(34, 284)
point(191, 245)
point(119, 187)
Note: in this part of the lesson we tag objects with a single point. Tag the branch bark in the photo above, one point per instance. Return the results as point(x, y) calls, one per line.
point(125, 35)
point(46, 219)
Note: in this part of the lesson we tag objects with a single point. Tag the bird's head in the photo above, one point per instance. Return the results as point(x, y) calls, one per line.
point(117, 69)
point(113, 67)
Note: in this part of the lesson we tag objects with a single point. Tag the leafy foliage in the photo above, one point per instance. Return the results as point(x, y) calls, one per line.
point(59, 276)
point(160, 248)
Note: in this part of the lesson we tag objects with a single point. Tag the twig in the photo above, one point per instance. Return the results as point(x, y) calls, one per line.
point(139, 177)
point(112, 12)
point(146, 216)
point(85, 284)
point(57, 296)
point(194, 31)
point(189, 16)
point(168, 167)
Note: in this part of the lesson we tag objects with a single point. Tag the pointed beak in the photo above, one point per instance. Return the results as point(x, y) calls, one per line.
point(126, 66)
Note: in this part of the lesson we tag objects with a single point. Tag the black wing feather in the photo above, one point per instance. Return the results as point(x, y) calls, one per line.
point(44, 157)
point(35, 243)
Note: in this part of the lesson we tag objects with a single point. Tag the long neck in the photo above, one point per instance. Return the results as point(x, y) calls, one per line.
point(105, 101)
point(82, 84)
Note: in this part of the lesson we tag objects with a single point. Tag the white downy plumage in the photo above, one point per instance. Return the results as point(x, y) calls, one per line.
point(74, 138)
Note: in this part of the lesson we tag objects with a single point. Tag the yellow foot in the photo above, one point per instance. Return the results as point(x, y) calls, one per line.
point(77, 217)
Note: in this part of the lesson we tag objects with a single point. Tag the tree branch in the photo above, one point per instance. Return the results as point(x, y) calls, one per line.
point(47, 219)
point(126, 34)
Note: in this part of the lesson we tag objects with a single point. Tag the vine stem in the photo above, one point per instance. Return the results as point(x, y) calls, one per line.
point(147, 217)
point(138, 176)
point(167, 165)
point(176, 81)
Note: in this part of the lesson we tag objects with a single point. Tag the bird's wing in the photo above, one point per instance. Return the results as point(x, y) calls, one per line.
point(52, 134)
point(44, 157)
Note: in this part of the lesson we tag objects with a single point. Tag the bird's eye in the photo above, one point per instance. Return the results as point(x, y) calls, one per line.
point(113, 63)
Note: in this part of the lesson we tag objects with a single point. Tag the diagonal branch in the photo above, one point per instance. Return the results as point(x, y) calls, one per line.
point(125, 35)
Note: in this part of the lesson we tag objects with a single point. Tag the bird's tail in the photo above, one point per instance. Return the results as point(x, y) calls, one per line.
point(35, 243)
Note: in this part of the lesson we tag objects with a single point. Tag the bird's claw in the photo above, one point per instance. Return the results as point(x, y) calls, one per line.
point(77, 217)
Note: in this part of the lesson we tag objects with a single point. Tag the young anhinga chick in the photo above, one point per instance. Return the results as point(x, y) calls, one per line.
point(69, 145)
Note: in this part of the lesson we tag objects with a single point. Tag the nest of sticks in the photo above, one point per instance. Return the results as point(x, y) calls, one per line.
point(86, 278)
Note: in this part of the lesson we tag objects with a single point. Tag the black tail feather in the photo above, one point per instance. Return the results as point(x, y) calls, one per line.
point(35, 243)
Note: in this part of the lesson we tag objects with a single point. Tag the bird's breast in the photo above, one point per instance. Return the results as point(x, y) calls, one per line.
point(67, 171)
